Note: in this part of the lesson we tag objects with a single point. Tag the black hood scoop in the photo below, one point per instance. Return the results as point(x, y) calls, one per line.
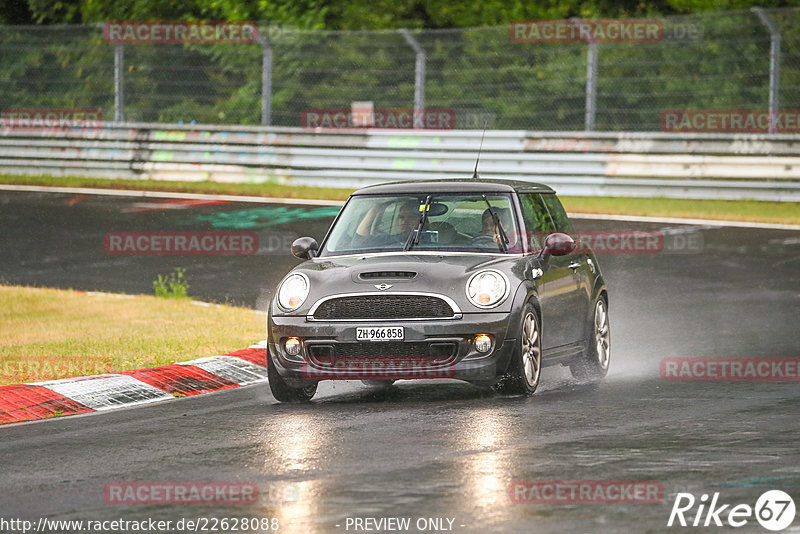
point(387, 275)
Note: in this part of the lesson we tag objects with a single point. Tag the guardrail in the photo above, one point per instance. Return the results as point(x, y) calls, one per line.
point(742, 166)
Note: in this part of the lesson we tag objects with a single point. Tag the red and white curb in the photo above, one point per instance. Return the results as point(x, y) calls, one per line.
point(69, 396)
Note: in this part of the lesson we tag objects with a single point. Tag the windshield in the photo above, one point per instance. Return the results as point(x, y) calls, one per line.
point(452, 222)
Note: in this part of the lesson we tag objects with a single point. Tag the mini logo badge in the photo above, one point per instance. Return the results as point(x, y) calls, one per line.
point(383, 287)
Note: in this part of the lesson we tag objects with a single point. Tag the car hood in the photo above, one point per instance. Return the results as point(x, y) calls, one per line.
point(445, 274)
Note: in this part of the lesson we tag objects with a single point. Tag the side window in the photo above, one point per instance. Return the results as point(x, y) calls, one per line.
point(538, 223)
point(557, 214)
point(535, 214)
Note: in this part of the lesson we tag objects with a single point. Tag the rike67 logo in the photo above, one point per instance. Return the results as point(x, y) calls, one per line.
point(774, 510)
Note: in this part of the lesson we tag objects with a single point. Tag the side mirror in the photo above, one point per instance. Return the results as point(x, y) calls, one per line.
point(305, 248)
point(558, 244)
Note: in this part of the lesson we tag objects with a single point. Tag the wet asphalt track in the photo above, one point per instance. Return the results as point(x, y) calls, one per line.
point(424, 450)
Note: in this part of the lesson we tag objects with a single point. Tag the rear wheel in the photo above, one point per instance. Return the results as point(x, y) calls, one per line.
point(284, 392)
point(593, 363)
point(525, 369)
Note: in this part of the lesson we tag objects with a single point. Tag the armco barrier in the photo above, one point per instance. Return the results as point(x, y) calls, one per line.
point(722, 166)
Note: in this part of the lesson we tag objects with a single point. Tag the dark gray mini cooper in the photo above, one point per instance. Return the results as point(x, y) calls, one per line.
point(473, 280)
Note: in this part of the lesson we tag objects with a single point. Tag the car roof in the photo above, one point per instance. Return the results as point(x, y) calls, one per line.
point(455, 185)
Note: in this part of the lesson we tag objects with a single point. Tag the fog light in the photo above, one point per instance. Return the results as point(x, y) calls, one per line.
point(483, 342)
point(292, 346)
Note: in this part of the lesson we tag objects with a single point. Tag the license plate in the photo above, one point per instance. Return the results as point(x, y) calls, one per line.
point(380, 333)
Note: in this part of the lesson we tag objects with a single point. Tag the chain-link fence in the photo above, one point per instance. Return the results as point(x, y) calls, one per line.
point(732, 60)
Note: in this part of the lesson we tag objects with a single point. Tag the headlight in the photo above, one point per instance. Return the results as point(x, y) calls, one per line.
point(293, 291)
point(487, 289)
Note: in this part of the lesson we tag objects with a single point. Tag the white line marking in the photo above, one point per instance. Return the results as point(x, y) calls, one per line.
point(105, 392)
point(235, 369)
point(676, 220)
point(215, 305)
point(194, 302)
point(112, 295)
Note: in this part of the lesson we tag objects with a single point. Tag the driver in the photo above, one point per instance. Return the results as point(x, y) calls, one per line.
point(488, 229)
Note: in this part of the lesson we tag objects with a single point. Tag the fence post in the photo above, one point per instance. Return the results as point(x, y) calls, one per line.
point(591, 86)
point(774, 65)
point(266, 79)
point(119, 85)
point(591, 81)
point(419, 78)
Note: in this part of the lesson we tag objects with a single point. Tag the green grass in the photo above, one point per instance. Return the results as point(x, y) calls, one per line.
point(732, 210)
point(728, 210)
point(54, 333)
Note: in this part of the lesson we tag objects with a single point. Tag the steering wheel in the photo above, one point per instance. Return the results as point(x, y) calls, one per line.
point(483, 241)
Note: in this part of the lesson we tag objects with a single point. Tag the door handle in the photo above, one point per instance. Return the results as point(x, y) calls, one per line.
point(574, 265)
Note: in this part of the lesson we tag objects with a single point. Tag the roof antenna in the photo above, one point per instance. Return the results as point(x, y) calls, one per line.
point(475, 174)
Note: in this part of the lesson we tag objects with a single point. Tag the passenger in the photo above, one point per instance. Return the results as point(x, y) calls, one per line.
point(406, 220)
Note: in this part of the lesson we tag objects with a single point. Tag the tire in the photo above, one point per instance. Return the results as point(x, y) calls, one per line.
point(525, 369)
point(282, 391)
point(378, 383)
point(593, 363)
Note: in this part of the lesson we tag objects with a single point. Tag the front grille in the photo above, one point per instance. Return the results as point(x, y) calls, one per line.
point(443, 351)
point(384, 307)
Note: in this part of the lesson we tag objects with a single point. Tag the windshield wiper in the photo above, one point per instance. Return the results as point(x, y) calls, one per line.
point(413, 237)
point(498, 227)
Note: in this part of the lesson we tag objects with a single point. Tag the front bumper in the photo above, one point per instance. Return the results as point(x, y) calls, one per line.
point(430, 349)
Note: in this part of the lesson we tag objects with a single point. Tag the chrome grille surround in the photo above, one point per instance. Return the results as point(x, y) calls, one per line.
point(381, 305)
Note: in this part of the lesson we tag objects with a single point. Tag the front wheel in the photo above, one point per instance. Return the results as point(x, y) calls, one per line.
point(282, 391)
point(525, 369)
point(593, 363)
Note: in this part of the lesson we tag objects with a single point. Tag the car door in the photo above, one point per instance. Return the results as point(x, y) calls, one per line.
point(579, 263)
point(559, 286)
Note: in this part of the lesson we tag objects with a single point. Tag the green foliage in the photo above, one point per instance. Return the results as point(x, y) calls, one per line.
point(173, 286)
point(15, 12)
point(56, 11)
point(477, 72)
point(357, 14)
